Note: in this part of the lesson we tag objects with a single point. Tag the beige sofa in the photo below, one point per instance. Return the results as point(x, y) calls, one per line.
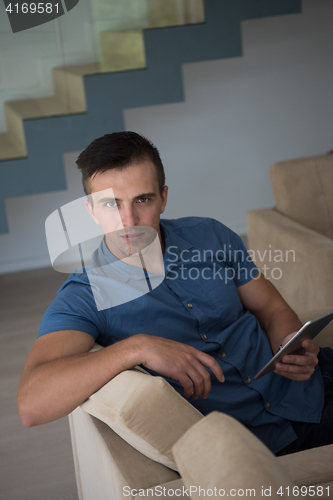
point(137, 435)
point(294, 240)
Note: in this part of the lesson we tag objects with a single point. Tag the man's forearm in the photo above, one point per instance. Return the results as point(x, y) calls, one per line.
point(276, 318)
point(55, 388)
point(283, 322)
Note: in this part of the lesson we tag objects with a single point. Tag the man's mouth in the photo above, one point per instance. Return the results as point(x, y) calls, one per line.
point(132, 236)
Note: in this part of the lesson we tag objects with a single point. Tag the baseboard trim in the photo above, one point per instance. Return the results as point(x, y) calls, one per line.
point(15, 265)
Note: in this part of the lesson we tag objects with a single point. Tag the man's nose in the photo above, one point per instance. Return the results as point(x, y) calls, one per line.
point(128, 216)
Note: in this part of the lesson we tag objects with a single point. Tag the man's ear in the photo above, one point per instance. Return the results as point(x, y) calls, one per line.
point(164, 198)
point(89, 206)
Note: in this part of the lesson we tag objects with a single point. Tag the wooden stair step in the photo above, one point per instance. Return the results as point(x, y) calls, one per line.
point(9, 149)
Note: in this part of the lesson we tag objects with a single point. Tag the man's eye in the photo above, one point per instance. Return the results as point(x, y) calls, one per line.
point(143, 200)
point(111, 204)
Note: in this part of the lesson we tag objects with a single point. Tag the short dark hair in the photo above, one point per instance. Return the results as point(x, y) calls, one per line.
point(118, 150)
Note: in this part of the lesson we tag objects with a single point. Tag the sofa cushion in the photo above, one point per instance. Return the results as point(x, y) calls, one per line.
point(145, 411)
point(310, 467)
point(303, 191)
point(219, 452)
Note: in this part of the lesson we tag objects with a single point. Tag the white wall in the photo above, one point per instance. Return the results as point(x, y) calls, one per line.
point(25, 246)
point(243, 114)
point(240, 116)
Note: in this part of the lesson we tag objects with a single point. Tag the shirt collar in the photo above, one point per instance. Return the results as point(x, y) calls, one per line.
point(174, 245)
point(105, 263)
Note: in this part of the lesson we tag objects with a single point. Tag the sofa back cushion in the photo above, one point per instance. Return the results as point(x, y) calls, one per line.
point(303, 191)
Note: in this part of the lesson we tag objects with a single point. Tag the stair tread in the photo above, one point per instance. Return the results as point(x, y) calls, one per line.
point(80, 69)
point(41, 108)
point(38, 108)
point(10, 149)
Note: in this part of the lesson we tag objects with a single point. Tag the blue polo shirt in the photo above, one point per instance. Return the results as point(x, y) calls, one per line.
point(197, 304)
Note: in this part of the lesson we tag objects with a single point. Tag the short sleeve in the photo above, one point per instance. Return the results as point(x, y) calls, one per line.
point(73, 308)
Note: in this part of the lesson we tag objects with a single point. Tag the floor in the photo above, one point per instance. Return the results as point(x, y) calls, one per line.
point(35, 463)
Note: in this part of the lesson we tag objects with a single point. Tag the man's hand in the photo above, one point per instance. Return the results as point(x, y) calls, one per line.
point(301, 366)
point(180, 362)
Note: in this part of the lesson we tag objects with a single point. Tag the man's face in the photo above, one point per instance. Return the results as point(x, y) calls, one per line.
point(127, 204)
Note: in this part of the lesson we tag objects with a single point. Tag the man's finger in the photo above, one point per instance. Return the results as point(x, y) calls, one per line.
point(211, 363)
point(187, 383)
point(201, 381)
point(295, 372)
point(287, 338)
point(310, 346)
point(293, 368)
point(293, 359)
point(298, 377)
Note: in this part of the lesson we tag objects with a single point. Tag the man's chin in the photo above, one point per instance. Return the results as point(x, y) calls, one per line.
point(133, 249)
point(123, 250)
point(131, 243)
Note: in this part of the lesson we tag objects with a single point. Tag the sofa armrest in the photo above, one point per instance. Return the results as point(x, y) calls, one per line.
point(122, 435)
point(106, 466)
point(298, 261)
point(145, 411)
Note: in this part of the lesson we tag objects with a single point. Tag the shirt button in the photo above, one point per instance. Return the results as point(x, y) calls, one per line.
point(167, 277)
point(223, 354)
point(248, 379)
point(205, 336)
point(268, 404)
point(189, 306)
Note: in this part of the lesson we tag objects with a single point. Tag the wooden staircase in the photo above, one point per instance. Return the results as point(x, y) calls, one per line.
point(23, 168)
point(69, 99)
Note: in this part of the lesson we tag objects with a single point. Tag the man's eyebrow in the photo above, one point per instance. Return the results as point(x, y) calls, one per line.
point(105, 200)
point(145, 195)
point(109, 198)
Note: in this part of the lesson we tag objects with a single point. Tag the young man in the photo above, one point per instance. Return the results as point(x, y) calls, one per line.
point(208, 327)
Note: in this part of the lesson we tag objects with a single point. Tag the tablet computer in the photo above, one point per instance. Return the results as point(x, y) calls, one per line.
point(293, 346)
